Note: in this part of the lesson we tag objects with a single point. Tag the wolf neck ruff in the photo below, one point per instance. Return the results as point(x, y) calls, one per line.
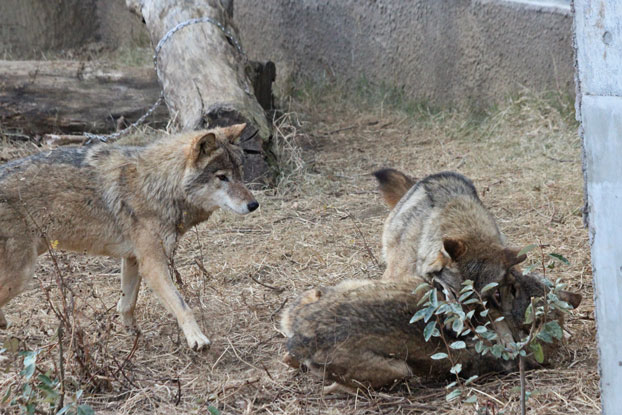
point(107, 137)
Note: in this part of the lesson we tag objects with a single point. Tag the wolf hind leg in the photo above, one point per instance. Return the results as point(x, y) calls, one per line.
point(17, 267)
point(375, 370)
point(130, 284)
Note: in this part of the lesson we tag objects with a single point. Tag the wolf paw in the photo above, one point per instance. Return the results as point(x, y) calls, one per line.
point(338, 388)
point(198, 342)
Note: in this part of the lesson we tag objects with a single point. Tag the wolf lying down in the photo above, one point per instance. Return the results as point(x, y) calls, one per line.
point(439, 232)
point(358, 334)
point(126, 202)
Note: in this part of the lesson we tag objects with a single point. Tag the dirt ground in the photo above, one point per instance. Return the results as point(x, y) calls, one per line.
point(319, 225)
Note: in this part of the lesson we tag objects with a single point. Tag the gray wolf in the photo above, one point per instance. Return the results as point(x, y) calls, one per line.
point(439, 230)
point(125, 202)
point(358, 333)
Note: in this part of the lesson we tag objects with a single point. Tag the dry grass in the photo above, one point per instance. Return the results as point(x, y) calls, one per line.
point(320, 225)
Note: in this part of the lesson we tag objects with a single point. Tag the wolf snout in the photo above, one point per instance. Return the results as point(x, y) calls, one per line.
point(252, 206)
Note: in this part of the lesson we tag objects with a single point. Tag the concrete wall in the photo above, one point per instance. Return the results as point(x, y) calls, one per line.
point(31, 29)
point(449, 51)
point(599, 108)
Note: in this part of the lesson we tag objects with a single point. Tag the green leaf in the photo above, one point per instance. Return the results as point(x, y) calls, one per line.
point(213, 410)
point(527, 249)
point(469, 315)
point(428, 313)
point(420, 287)
point(489, 287)
point(86, 410)
point(47, 381)
point(479, 346)
point(480, 329)
point(553, 328)
point(454, 394)
point(429, 330)
point(471, 301)
point(471, 399)
point(471, 379)
point(497, 350)
point(418, 315)
point(7, 394)
point(451, 385)
point(529, 314)
point(498, 319)
point(425, 297)
point(545, 337)
point(439, 356)
point(484, 313)
point(458, 345)
point(538, 352)
point(434, 298)
point(468, 288)
point(457, 368)
point(560, 258)
point(529, 268)
point(444, 308)
point(489, 335)
point(457, 325)
point(28, 371)
point(465, 296)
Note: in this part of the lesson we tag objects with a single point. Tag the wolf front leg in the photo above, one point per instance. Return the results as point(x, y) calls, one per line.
point(130, 284)
point(152, 266)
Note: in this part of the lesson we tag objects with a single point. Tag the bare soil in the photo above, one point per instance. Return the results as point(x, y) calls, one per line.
point(319, 225)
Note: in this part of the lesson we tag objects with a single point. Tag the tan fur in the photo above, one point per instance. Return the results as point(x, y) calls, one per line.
point(126, 202)
point(440, 230)
point(358, 334)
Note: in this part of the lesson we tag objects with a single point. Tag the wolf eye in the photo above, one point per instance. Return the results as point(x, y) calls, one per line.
point(222, 177)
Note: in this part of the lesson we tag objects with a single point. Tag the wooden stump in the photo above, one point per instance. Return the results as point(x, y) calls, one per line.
point(204, 77)
point(39, 97)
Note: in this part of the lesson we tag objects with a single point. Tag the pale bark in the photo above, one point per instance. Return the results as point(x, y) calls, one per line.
point(203, 75)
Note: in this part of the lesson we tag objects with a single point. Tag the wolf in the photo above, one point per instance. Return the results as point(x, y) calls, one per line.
point(358, 333)
point(131, 203)
point(439, 230)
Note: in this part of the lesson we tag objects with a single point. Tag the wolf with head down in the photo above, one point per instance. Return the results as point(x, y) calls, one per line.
point(439, 231)
point(125, 202)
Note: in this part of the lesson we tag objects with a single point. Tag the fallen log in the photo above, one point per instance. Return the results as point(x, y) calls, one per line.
point(38, 97)
point(204, 75)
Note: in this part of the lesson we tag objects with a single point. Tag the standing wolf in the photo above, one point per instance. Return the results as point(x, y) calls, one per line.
point(126, 202)
point(440, 231)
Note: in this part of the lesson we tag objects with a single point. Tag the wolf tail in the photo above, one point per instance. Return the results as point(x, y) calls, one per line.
point(393, 185)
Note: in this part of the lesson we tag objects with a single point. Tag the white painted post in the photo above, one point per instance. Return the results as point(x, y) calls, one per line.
point(598, 43)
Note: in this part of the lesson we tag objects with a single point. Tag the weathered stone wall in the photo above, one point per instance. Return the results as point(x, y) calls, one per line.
point(449, 51)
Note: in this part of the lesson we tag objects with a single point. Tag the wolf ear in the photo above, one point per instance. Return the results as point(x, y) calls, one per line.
point(573, 299)
point(202, 144)
point(234, 132)
point(393, 185)
point(451, 251)
point(511, 257)
point(454, 248)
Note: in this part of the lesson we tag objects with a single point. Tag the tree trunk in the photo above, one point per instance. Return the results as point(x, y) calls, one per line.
point(204, 76)
point(39, 97)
